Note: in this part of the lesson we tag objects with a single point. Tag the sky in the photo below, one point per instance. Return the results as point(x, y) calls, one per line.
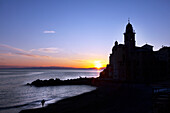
point(76, 33)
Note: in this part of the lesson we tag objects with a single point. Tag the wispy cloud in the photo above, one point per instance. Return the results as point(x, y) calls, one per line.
point(80, 60)
point(32, 55)
point(7, 50)
point(6, 54)
point(49, 32)
point(47, 50)
point(12, 48)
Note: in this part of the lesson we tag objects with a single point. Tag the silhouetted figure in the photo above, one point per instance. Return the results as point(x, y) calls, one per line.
point(43, 102)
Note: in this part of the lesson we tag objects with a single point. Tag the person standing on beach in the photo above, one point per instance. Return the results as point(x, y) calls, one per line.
point(43, 102)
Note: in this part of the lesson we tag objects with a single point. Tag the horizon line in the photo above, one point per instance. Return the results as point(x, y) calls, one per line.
point(45, 67)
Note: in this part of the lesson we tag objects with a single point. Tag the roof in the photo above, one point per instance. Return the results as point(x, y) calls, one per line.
point(147, 45)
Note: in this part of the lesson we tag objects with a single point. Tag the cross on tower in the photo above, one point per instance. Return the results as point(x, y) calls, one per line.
point(128, 20)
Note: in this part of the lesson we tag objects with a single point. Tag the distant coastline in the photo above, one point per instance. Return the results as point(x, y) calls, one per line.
point(68, 68)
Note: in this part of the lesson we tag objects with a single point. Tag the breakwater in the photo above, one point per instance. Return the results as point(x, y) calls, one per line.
point(54, 82)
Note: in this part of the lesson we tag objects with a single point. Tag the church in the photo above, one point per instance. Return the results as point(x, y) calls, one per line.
point(127, 62)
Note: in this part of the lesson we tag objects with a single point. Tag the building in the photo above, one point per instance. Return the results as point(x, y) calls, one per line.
point(127, 62)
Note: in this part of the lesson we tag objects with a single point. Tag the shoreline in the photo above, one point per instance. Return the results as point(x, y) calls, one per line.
point(98, 82)
point(104, 100)
point(121, 97)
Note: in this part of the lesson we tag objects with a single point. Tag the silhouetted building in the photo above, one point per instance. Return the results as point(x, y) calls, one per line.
point(127, 62)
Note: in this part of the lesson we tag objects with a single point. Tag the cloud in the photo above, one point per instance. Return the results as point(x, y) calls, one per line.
point(12, 48)
point(49, 32)
point(2, 60)
point(79, 60)
point(47, 50)
point(32, 55)
point(6, 54)
point(7, 50)
point(25, 54)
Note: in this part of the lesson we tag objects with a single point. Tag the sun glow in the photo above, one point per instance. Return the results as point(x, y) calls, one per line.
point(97, 64)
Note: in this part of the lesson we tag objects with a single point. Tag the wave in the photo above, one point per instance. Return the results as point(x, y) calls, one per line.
point(10, 107)
point(21, 105)
point(34, 73)
point(33, 103)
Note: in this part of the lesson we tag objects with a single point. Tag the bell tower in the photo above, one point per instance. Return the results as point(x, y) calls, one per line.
point(129, 36)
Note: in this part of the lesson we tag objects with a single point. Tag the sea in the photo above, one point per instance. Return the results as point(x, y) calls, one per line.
point(15, 95)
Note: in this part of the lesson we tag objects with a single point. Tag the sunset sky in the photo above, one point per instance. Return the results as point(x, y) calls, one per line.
point(76, 33)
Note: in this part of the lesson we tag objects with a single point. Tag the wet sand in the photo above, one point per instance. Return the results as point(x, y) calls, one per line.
point(112, 99)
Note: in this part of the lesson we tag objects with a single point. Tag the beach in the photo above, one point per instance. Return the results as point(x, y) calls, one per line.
point(111, 99)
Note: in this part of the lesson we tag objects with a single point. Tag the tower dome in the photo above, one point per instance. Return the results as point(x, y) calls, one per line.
point(129, 36)
point(129, 28)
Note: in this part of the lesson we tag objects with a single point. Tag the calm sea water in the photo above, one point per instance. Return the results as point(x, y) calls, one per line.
point(16, 96)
